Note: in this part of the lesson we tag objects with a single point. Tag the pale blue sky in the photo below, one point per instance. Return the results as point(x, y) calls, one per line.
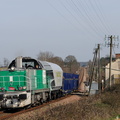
point(63, 27)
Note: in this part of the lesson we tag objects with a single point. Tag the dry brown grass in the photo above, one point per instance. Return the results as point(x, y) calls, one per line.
point(100, 107)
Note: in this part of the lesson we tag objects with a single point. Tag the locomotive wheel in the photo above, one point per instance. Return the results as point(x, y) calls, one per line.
point(54, 96)
point(58, 95)
point(41, 101)
point(48, 99)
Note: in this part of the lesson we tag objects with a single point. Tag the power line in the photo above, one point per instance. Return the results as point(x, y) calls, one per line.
point(103, 17)
point(58, 11)
point(78, 12)
point(83, 15)
point(102, 23)
point(96, 27)
point(69, 11)
point(75, 16)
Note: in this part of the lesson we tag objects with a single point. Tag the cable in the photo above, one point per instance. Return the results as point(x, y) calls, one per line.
point(82, 14)
point(103, 17)
point(71, 13)
point(78, 12)
point(72, 16)
point(62, 15)
point(89, 18)
point(104, 26)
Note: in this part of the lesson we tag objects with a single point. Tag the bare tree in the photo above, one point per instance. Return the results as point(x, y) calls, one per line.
point(45, 56)
point(48, 56)
point(57, 60)
point(6, 62)
point(69, 65)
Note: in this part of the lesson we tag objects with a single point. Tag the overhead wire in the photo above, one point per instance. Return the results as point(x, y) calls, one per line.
point(58, 11)
point(83, 14)
point(99, 18)
point(72, 14)
point(102, 16)
point(95, 21)
point(79, 12)
point(92, 23)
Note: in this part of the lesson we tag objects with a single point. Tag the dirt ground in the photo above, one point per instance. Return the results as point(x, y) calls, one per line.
point(34, 115)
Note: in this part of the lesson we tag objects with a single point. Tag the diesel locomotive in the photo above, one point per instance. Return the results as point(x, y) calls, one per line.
point(29, 82)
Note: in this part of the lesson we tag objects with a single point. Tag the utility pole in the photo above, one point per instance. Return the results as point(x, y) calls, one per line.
point(92, 70)
point(99, 73)
point(95, 64)
point(110, 44)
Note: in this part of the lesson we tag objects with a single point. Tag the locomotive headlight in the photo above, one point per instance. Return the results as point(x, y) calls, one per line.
point(12, 68)
point(24, 87)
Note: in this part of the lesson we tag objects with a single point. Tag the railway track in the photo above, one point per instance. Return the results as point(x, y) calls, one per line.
point(4, 115)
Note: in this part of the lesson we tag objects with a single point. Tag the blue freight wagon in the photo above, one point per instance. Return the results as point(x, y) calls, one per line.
point(70, 82)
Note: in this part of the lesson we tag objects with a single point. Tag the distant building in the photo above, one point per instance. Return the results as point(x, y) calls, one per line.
point(83, 64)
point(115, 71)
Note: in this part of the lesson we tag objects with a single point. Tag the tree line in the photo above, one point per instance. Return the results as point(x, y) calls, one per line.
point(68, 65)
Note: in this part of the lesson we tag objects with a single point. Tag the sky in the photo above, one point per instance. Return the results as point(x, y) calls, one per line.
point(62, 27)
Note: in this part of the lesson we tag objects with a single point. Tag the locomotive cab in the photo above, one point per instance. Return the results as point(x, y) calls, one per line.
point(25, 63)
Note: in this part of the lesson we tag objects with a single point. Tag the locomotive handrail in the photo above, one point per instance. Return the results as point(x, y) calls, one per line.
point(16, 81)
point(27, 80)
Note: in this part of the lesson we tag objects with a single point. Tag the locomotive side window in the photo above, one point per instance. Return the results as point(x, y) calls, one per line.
point(50, 74)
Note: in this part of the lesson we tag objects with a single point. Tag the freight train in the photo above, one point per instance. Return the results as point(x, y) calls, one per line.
point(29, 82)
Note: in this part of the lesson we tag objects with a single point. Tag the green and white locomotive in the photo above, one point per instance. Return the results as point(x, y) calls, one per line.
point(29, 82)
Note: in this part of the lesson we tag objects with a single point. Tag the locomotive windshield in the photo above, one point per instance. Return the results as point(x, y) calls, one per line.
point(26, 63)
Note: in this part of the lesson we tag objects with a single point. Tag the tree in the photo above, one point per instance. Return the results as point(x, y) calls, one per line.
point(57, 60)
point(45, 56)
point(105, 60)
point(6, 62)
point(71, 64)
point(48, 56)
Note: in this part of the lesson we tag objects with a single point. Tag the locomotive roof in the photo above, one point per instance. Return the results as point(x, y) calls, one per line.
point(50, 66)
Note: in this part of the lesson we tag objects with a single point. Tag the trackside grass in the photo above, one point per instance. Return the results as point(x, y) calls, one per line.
point(105, 106)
